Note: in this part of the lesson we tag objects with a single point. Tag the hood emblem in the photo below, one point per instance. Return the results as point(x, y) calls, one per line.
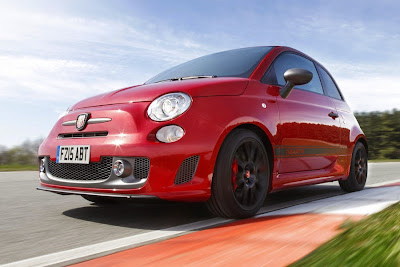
point(81, 121)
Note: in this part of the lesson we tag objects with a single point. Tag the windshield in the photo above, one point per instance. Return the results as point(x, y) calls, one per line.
point(232, 63)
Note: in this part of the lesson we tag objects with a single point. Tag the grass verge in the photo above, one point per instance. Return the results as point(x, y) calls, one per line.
point(17, 167)
point(384, 160)
point(373, 241)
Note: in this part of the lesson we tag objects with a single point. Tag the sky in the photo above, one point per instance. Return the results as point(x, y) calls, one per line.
point(55, 53)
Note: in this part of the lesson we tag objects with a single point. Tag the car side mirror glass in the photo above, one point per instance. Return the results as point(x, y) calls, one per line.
point(294, 77)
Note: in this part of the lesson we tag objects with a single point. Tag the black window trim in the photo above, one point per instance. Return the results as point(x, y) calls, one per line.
point(323, 83)
point(315, 66)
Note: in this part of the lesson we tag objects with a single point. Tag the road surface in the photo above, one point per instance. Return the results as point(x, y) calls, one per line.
point(35, 223)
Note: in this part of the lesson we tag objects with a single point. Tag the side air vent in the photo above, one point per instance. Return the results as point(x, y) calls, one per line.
point(187, 170)
point(82, 135)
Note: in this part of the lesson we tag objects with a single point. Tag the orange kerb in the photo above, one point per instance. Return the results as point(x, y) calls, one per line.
point(266, 241)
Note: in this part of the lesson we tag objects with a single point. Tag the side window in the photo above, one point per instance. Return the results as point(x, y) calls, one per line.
point(329, 85)
point(289, 61)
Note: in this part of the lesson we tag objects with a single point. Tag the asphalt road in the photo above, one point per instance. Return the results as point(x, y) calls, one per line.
point(35, 223)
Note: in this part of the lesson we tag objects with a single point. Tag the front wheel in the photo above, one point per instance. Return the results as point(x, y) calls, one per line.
point(358, 170)
point(241, 176)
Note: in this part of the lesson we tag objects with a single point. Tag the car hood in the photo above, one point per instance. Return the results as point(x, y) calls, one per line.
point(148, 92)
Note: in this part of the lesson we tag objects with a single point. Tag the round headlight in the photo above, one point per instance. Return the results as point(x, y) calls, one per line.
point(169, 106)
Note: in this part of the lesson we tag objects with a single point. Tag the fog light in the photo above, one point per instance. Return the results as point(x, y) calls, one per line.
point(170, 134)
point(122, 168)
point(41, 165)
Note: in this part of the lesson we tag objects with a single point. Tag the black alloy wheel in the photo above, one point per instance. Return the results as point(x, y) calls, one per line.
point(360, 166)
point(358, 170)
point(248, 174)
point(241, 176)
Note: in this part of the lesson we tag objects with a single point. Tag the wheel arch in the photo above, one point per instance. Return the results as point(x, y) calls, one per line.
point(362, 140)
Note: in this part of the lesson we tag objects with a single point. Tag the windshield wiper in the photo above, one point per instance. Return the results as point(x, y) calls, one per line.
point(187, 78)
point(197, 77)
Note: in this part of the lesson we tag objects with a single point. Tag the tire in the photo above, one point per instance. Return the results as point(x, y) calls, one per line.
point(99, 200)
point(241, 176)
point(358, 170)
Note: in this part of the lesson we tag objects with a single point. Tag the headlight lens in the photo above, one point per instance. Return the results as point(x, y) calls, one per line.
point(169, 106)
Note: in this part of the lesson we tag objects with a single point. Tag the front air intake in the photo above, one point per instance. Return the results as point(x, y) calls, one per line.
point(187, 170)
point(94, 171)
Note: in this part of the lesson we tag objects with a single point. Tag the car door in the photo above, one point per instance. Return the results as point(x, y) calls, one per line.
point(346, 115)
point(309, 131)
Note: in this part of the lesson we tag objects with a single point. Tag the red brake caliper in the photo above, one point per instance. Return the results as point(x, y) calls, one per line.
point(234, 174)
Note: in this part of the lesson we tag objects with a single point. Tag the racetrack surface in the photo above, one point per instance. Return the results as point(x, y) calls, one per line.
point(35, 223)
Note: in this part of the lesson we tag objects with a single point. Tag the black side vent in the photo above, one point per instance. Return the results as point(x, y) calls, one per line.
point(187, 170)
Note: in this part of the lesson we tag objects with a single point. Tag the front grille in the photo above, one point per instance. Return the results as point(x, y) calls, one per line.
point(94, 171)
point(141, 168)
point(82, 135)
point(187, 170)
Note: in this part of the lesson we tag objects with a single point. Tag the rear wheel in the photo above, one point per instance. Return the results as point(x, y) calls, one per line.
point(99, 200)
point(358, 170)
point(241, 176)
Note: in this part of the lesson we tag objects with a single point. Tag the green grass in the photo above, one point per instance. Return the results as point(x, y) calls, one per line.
point(373, 241)
point(384, 160)
point(17, 167)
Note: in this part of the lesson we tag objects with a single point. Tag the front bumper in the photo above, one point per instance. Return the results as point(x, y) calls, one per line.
point(96, 174)
point(129, 135)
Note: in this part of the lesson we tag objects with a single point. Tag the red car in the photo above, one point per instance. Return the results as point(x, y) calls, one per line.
point(225, 129)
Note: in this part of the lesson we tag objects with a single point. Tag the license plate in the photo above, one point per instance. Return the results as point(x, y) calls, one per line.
point(73, 154)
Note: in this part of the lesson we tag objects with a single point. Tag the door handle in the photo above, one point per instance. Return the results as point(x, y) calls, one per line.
point(333, 115)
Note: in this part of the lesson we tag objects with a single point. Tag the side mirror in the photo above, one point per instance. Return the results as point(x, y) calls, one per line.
point(294, 77)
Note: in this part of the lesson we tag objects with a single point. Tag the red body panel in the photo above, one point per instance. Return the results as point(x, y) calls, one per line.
point(307, 146)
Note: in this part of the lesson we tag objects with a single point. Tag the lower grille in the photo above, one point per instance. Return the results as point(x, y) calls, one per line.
point(141, 168)
point(187, 170)
point(94, 171)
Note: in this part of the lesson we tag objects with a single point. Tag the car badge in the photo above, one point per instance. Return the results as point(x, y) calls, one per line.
point(81, 121)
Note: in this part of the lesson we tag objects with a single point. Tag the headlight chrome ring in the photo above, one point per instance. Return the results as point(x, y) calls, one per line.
point(169, 106)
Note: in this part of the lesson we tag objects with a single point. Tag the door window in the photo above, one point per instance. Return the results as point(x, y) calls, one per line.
point(289, 61)
point(329, 84)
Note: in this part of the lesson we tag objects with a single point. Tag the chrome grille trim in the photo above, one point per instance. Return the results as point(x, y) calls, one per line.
point(90, 121)
point(98, 120)
point(69, 123)
point(82, 135)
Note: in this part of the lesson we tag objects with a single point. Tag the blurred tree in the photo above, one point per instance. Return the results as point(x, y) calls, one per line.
point(383, 133)
point(24, 154)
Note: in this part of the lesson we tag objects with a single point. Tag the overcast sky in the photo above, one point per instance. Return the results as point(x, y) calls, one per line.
point(54, 53)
